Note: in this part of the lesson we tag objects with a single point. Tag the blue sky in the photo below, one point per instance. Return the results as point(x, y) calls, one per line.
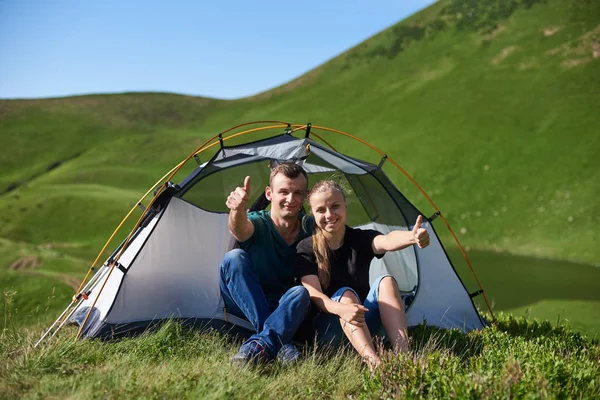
point(223, 49)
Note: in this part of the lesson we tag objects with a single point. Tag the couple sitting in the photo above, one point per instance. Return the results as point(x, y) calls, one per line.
point(258, 280)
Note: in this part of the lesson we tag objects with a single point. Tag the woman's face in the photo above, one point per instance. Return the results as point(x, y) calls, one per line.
point(329, 210)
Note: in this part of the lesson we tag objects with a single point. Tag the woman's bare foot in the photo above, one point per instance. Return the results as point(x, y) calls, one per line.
point(373, 362)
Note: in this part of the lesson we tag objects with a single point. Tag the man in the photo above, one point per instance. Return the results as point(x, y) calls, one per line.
point(257, 280)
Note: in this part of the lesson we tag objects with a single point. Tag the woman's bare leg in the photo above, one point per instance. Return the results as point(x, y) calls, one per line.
point(393, 317)
point(359, 336)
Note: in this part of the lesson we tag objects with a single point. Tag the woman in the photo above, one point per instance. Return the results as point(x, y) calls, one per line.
point(333, 265)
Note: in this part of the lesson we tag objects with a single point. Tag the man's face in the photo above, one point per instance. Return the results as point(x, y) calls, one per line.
point(286, 195)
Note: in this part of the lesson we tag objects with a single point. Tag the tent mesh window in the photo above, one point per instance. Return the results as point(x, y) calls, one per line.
point(373, 202)
point(215, 184)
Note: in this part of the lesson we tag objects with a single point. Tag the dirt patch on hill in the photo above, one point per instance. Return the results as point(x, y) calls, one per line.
point(26, 263)
point(30, 265)
point(553, 52)
point(505, 53)
point(50, 246)
point(495, 32)
point(530, 64)
point(551, 31)
point(572, 63)
point(579, 51)
point(71, 281)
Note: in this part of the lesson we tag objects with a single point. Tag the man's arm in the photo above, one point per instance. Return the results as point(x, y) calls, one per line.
point(239, 225)
point(398, 240)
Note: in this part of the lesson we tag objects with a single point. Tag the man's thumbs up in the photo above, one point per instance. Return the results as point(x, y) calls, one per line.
point(240, 196)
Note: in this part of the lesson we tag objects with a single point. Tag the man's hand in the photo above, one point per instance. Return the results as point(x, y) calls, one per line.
point(353, 313)
point(420, 234)
point(240, 196)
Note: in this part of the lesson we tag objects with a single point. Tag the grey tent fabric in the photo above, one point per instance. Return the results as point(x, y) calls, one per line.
point(171, 268)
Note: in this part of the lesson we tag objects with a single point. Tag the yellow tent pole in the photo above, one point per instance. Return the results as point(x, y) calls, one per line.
point(333, 148)
point(170, 175)
point(119, 227)
point(199, 149)
point(74, 299)
point(324, 141)
point(430, 202)
point(206, 145)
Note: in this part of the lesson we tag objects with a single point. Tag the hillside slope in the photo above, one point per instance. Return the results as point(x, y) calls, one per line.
point(491, 106)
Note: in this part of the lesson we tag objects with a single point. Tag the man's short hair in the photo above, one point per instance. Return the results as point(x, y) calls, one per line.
point(289, 170)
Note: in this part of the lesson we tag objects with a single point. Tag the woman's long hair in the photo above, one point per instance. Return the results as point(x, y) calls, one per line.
point(320, 243)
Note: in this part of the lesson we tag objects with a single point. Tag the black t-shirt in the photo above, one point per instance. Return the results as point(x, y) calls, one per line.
point(349, 264)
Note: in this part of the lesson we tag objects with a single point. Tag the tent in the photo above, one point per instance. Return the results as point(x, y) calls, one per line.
point(168, 266)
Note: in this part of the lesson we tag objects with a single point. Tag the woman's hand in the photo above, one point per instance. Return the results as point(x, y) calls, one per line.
point(353, 313)
point(421, 236)
point(398, 240)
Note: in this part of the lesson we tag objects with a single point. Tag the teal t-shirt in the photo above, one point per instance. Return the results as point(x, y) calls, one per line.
point(272, 258)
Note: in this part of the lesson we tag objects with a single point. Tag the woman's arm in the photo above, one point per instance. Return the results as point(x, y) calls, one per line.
point(398, 240)
point(351, 313)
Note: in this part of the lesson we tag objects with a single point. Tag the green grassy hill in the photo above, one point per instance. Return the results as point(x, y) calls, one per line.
point(491, 106)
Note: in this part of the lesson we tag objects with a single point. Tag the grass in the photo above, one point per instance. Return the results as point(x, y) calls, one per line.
point(33, 301)
point(490, 106)
point(520, 358)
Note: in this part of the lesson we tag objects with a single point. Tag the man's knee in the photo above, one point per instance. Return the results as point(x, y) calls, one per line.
point(233, 261)
point(299, 295)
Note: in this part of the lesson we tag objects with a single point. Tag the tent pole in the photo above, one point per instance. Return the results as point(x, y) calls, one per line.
point(430, 202)
point(205, 146)
point(52, 326)
point(89, 285)
point(171, 173)
point(64, 321)
point(71, 306)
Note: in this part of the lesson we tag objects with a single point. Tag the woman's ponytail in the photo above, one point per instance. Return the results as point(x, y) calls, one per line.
point(322, 252)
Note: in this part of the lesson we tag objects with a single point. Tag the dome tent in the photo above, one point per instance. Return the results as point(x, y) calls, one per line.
point(168, 266)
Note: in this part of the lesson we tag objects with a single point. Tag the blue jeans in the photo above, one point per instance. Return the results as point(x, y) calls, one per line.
point(328, 329)
point(275, 319)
